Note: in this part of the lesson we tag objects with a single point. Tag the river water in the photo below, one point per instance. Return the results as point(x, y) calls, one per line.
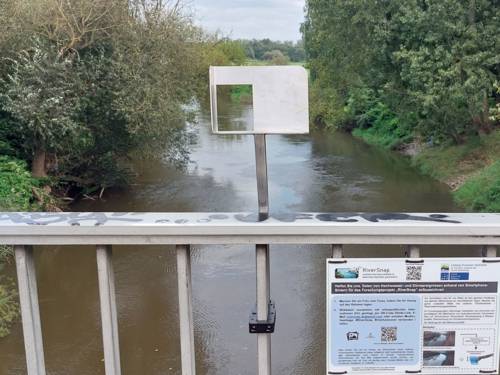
point(323, 171)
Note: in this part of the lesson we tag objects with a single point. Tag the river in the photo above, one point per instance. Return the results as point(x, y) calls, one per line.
point(323, 171)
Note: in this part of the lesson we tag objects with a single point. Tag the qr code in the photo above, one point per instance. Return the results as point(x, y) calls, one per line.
point(388, 334)
point(413, 272)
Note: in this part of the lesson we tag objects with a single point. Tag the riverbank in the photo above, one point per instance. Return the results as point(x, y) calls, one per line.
point(19, 191)
point(471, 170)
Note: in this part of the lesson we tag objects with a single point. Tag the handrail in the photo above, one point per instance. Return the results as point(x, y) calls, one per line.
point(73, 228)
point(184, 229)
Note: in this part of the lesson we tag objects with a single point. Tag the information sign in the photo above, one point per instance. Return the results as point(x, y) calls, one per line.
point(400, 316)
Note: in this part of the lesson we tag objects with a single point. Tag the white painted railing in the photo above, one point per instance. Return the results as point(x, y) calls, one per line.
point(23, 230)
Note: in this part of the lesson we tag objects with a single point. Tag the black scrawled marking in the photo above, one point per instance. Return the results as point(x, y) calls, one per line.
point(350, 217)
point(401, 216)
point(284, 217)
point(340, 217)
point(101, 218)
point(72, 218)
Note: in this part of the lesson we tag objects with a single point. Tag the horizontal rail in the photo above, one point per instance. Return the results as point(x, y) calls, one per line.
point(73, 228)
point(183, 229)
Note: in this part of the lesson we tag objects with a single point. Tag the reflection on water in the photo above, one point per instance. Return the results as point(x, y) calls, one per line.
point(319, 172)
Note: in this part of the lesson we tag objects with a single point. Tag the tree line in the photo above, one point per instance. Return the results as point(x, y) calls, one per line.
point(85, 85)
point(405, 68)
point(267, 49)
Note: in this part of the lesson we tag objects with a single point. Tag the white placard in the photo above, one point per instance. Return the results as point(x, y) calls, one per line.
point(400, 316)
point(279, 93)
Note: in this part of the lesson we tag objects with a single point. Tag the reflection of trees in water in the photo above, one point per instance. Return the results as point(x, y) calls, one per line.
point(360, 177)
point(297, 138)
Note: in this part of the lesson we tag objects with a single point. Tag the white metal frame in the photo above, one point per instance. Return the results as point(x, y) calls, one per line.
point(80, 228)
point(280, 97)
point(182, 229)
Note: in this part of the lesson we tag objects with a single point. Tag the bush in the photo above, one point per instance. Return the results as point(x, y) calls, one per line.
point(19, 191)
point(327, 108)
point(481, 192)
point(16, 185)
point(375, 121)
point(9, 307)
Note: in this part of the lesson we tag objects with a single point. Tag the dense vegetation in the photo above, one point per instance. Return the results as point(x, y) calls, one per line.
point(275, 52)
point(421, 71)
point(85, 85)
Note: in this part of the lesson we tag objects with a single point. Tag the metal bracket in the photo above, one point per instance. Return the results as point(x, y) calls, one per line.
point(263, 326)
point(414, 261)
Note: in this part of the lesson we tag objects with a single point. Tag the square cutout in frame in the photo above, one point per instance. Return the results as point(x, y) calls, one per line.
point(234, 108)
point(279, 96)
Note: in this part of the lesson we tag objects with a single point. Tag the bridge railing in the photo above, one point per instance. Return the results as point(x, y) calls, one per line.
point(24, 230)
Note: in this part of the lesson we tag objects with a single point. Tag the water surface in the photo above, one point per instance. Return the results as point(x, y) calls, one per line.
point(318, 172)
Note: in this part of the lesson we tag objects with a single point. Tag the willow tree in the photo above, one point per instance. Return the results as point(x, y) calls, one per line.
point(92, 81)
point(41, 92)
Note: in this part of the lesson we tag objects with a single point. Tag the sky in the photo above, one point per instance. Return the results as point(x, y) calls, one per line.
point(251, 19)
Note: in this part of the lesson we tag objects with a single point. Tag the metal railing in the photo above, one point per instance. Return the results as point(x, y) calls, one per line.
point(24, 230)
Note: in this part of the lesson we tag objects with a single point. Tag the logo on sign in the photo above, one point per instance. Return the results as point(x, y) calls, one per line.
point(352, 336)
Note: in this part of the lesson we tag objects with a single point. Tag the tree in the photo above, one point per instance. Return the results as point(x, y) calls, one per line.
point(41, 92)
point(276, 57)
point(256, 49)
point(225, 52)
point(106, 79)
point(432, 63)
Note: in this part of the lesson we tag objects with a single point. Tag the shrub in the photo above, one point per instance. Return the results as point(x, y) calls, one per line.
point(16, 185)
point(9, 307)
point(375, 121)
point(482, 192)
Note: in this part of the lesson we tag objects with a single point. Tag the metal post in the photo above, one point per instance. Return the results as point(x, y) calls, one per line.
point(109, 318)
point(185, 309)
point(337, 251)
point(413, 252)
point(262, 258)
point(490, 251)
point(261, 169)
point(30, 311)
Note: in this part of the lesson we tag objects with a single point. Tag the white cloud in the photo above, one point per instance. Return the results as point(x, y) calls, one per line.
point(274, 19)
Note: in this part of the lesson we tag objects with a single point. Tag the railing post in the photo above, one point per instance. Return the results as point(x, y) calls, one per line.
point(263, 299)
point(490, 251)
point(30, 311)
point(337, 251)
point(413, 251)
point(109, 319)
point(263, 269)
point(261, 172)
point(185, 309)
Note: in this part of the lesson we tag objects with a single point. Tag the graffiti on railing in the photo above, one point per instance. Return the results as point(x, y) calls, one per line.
point(104, 218)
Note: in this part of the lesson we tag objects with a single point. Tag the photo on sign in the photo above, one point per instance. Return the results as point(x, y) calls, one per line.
point(439, 358)
point(346, 273)
point(439, 338)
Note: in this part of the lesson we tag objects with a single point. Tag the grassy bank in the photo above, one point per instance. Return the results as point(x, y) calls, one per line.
point(472, 170)
point(241, 94)
point(19, 191)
